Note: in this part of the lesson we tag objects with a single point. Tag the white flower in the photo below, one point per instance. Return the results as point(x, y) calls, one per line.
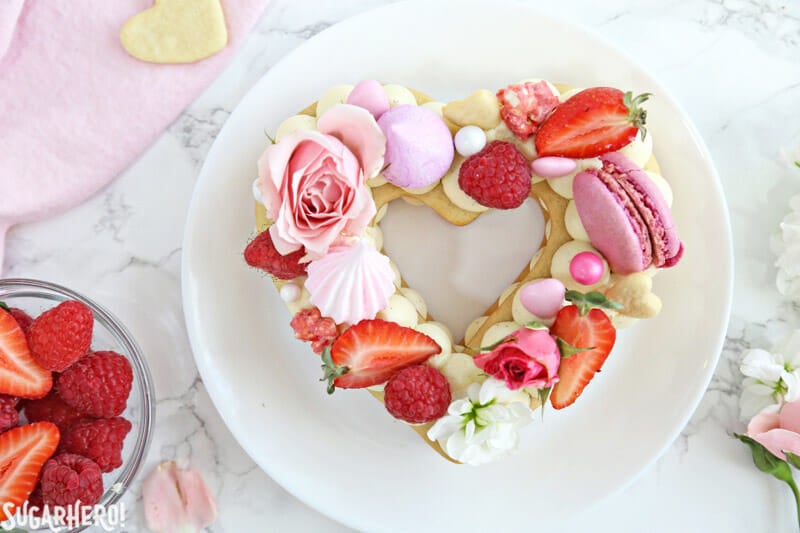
point(786, 246)
point(483, 426)
point(771, 377)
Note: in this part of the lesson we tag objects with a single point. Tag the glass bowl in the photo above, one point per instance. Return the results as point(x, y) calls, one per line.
point(35, 297)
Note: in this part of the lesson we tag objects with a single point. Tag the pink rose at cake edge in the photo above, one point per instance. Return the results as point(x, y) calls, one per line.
point(177, 500)
point(351, 283)
point(626, 216)
point(778, 432)
point(313, 183)
point(528, 358)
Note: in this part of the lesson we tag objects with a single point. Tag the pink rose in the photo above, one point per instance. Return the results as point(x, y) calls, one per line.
point(778, 431)
point(527, 358)
point(313, 183)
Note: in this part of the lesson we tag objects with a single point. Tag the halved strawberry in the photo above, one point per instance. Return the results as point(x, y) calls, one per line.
point(592, 330)
point(372, 351)
point(23, 452)
point(20, 374)
point(594, 122)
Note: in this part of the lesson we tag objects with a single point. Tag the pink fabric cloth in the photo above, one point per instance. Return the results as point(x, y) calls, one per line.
point(75, 108)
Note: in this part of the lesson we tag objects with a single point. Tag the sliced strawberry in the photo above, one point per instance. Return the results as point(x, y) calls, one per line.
point(23, 452)
point(372, 351)
point(592, 330)
point(20, 374)
point(594, 122)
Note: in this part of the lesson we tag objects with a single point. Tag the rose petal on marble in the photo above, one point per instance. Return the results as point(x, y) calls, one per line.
point(779, 440)
point(763, 422)
point(177, 500)
point(358, 130)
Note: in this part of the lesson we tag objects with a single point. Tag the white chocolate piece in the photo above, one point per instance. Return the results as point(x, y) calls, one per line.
point(302, 302)
point(559, 269)
point(639, 150)
point(400, 310)
point(416, 300)
point(399, 95)
point(456, 195)
point(374, 236)
point(461, 372)
point(377, 181)
point(295, 123)
point(662, 184)
point(568, 94)
point(422, 190)
point(635, 293)
point(381, 213)
point(398, 280)
point(257, 192)
point(528, 148)
point(481, 108)
point(498, 332)
point(441, 335)
point(437, 107)
point(290, 292)
point(573, 222)
point(507, 292)
point(473, 327)
point(335, 95)
point(563, 185)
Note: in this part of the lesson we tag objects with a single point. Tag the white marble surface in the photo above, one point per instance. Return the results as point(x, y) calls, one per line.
point(733, 64)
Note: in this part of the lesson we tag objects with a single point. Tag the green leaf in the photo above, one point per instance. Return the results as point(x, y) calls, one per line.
point(4, 306)
point(766, 461)
point(330, 370)
point(585, 302)
point(568, 350)
point(793, 459)
point(491, 347)
point(544, 394)
point(797, 163)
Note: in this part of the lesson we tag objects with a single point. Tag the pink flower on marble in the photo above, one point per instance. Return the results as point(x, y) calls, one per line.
point(527, 358)
point(777, 430)
point(313, 183)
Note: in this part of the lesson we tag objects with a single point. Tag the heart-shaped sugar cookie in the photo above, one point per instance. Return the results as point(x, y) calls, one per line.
point(176, 31)
point(333, 172)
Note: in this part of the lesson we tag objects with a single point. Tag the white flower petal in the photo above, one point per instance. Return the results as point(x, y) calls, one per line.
point(762, 365)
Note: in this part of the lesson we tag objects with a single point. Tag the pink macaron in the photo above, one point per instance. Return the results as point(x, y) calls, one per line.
point(626, 216)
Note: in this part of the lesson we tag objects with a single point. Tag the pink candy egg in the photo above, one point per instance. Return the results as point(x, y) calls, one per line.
point(370, 95)
point(553, 167)
point(543, 298)
point(587, 268)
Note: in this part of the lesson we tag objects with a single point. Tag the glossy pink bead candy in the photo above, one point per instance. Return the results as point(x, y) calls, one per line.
point(587, 268)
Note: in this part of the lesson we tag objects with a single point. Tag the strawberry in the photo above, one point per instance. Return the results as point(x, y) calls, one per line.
point(594, 122)
point(20, 374)
point(372, 351)
point(23, 452)
point(590, 337)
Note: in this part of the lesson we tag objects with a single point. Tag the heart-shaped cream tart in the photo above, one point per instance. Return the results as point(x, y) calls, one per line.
point(176, 31)
point(326, 183)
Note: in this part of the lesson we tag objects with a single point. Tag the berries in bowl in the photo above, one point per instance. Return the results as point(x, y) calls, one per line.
point(76, 405)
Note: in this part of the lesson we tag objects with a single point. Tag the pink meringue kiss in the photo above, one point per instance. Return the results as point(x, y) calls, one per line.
point(587, 268)
point(543, 298)
point(419, 146)
point(553, 167)
point(177, 500)
point(370, 95)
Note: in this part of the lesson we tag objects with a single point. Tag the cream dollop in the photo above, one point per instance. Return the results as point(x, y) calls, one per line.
point(352, 282)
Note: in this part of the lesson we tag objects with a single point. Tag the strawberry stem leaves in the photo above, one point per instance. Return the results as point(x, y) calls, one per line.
point(637, 115)
point(768, 463)
point(585, 302)
point(4, 306)
point(330, 370)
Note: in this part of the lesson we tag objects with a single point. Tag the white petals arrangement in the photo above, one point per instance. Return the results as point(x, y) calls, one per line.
point(771, 377)
point(484, 425)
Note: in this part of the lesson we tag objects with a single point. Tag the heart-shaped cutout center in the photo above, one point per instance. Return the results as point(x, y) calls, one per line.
point(461, 271)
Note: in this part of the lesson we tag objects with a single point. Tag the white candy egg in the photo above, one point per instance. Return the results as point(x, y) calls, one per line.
point(290, 292)
point(470, 140)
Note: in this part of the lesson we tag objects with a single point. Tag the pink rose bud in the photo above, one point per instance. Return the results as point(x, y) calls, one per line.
point(527, 358)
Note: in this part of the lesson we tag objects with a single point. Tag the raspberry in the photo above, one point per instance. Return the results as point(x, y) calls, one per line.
point(525, 106)
point(9, 416)
point(23, 319)
point(498, 176)
point(61, 335)
point(261, 253)
point(310, 325)
point(417, 394)
point(98, 385)
point(99, 439)
point(67, 478)
point(35, 500)
point(51, 409)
